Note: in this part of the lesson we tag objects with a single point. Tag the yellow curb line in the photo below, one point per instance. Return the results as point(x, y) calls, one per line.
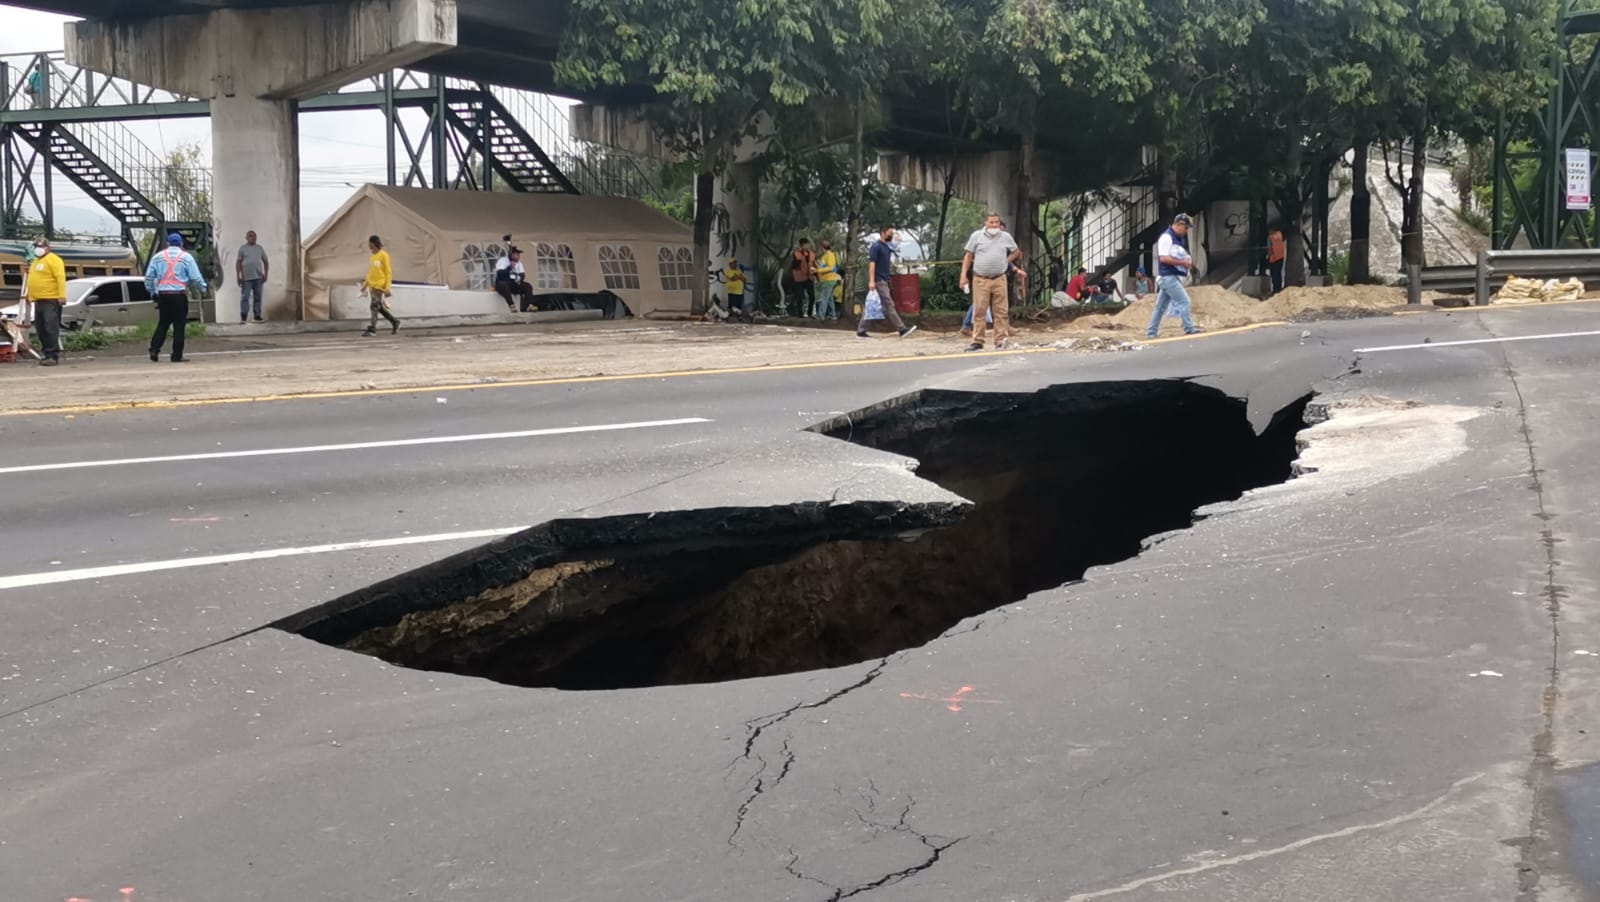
point(1233, 331)
point(473, 386)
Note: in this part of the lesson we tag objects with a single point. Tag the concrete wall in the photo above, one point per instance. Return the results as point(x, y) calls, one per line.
point(349, 302)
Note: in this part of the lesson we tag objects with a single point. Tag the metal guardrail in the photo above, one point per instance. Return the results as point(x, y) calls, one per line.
point(1495, 267)
point(1449, 278)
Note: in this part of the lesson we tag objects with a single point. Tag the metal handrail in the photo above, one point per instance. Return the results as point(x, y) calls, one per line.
point(1110, 233)
point(545, 119)
point(73, 87)
point(172, 190)
point(592, 168)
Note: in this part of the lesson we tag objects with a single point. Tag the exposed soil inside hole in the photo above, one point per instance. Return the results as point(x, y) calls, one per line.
point(1062, 480)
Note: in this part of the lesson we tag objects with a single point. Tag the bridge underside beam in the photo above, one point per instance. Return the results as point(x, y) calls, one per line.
point(253, 65)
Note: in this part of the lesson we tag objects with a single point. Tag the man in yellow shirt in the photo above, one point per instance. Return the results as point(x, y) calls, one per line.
point(734, 276)
point(380, 277)
point(828, 281)
point(46, 290)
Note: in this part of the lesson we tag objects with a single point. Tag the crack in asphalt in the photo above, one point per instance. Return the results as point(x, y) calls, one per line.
point(1541, 769)
point(124, 674)
point(936, 846)
point(758, 726)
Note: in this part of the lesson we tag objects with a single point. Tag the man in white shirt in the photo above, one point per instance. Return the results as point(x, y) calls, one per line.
point(511, 280)
point(1173, 264)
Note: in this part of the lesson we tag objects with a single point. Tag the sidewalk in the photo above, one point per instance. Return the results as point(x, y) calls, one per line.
point(273, 365)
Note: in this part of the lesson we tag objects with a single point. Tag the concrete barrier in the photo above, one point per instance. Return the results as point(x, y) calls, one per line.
point(347, 302)
point(503, 318)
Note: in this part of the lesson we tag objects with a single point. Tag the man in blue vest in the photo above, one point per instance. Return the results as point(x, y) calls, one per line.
point(1172, 265)
point(168, 278)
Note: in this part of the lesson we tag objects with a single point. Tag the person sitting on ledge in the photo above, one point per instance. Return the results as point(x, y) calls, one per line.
point(511, 280)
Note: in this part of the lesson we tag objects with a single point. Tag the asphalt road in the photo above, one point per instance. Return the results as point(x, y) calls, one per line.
point(1363, 684)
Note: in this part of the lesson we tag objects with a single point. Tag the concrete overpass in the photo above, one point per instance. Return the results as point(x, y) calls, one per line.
point(253, 60)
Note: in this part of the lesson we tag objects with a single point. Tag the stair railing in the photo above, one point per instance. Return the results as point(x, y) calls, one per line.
point(1108, 233)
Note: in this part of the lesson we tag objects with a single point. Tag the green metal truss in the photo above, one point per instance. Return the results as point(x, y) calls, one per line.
point(1536, 214)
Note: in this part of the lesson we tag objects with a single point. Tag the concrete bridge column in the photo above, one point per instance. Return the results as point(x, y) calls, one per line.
point(996, 178)
point(255, 177)
point(253, 64)
point(739, 193)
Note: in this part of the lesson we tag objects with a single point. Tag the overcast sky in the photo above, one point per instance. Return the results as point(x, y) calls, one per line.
point(337, 150)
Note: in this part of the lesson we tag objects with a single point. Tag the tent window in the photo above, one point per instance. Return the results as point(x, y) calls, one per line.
point(478, 259)
point(555, 268)
point(677, 269)
point(618, 265)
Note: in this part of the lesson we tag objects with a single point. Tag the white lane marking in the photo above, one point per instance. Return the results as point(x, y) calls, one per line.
point(1475, 341)
point(24, 580)
point(353, 446)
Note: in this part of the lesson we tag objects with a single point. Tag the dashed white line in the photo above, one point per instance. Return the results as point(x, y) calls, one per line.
point(352, 446)
point(25, 580)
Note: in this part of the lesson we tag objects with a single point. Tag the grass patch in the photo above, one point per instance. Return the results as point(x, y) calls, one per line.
point(96, 338)
point(1477, 220)
point(1339, 267)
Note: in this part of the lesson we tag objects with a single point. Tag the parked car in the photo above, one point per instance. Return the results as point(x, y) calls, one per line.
point(110, 301)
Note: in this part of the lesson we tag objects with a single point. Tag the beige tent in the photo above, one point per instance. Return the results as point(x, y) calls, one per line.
point(571, 244)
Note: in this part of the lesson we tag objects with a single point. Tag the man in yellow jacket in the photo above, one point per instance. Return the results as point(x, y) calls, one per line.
point(380, 276)
point(46, 290)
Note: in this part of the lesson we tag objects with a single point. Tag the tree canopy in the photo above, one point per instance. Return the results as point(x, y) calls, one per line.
point(1264, 87)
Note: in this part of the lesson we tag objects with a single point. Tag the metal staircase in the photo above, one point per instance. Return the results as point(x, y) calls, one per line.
point(492, 132)
point(1128, 228)
point(110, 164)
point(520, 141)
point(124, 190)
point(88, 171)
point(593, 169)
point(1115, 230)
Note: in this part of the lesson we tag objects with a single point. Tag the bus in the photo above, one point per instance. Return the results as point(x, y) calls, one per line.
point(83, 261)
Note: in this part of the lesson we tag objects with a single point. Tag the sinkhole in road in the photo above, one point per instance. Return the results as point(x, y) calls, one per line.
point(1060, 480)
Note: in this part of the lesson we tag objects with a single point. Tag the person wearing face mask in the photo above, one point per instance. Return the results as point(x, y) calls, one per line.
point(45, 291)
point(880, 263)
point(990, 253)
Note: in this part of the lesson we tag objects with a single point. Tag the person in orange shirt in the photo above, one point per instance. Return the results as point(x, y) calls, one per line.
point(1277, 252)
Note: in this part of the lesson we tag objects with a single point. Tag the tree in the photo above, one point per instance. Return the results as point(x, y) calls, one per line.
point(1454, 65)
point(182, 187)
point(1090, 78)
point(754, 71)
point(1294, 95)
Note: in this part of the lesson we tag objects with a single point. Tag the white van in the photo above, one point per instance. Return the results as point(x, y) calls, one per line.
point(110, 301)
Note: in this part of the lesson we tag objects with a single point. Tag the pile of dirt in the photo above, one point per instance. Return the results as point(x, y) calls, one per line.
point(1298, 303)
point(1213, 307)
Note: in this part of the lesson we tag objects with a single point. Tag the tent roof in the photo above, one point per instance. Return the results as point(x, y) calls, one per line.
point(534, 215)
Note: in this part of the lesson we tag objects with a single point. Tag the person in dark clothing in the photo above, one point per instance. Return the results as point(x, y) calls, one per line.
point(880, 264)
point(511, 281)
